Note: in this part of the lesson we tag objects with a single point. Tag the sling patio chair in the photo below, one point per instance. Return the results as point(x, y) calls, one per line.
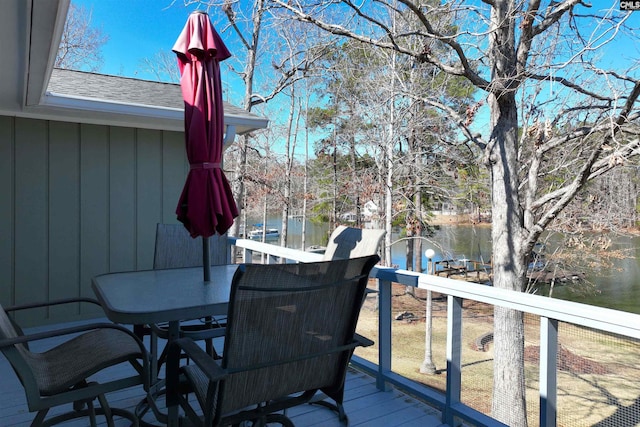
point(175, 248)
point(351, 242)
point(65, 373)
point(290, 334)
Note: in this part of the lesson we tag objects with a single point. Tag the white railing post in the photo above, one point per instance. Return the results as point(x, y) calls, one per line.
point(247, 256)
point(454, 357)
point(548, 371)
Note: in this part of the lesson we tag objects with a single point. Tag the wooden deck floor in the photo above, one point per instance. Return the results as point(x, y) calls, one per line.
point(365, 405)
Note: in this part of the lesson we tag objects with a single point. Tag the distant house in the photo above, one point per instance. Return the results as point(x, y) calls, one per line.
point(369, 210)
point(88, 165)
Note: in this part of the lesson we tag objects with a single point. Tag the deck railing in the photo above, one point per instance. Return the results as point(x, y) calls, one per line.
point(592, 382)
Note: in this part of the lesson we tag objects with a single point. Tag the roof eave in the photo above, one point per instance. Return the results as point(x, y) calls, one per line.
point(33, 30)
point(90, 110)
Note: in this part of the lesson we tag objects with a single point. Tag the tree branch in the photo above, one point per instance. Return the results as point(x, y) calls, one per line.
point(593, 166)
point(464, 69)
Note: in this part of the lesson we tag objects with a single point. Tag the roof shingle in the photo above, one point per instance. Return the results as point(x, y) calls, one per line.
point(124, 90)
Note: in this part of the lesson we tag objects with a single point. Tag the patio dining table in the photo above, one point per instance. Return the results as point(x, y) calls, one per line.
point(157, 296)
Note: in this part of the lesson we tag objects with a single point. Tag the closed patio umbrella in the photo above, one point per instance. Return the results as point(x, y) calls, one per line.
point(206, 205)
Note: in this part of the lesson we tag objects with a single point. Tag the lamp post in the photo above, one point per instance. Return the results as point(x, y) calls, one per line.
point(427, 366)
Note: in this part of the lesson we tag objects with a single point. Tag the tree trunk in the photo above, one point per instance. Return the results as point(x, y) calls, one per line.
point(388, 200)
point(238, 187)
point(418, 230)
point(354, 178)
point(409, 246)
point(305, 183)
point(410, 290)
point(507, 232)
point(509, 268)
point(334, 209)
point(289, 151)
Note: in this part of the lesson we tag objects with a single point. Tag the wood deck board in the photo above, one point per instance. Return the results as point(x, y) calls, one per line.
point(365, 405)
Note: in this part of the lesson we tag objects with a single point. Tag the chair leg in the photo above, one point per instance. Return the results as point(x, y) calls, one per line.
point(39, 418)
point(91, 410)
point(208, 343)
point(86, 409)
point(161, 359)
point(153, 349)
point(107, 410)
point(336, 407)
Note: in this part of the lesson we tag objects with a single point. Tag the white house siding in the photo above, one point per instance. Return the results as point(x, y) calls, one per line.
point(79, 200)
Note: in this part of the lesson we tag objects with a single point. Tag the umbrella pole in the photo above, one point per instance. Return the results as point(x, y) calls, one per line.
point(206, 267)
point(206, 259)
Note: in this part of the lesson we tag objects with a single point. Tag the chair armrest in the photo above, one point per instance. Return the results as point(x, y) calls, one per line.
point(68, 331)
point(362, 341)
point(51, 303)
point(198, 356)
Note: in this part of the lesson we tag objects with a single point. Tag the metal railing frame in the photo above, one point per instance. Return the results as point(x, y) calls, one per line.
point(551, 312)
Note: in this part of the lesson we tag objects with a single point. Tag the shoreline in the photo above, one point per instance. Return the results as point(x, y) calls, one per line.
point(458, 219)
point(465, 219)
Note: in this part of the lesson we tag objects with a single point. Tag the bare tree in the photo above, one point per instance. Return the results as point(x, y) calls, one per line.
point(81, 43)
point(300, 56)
point(163, 66)
point(508, 49)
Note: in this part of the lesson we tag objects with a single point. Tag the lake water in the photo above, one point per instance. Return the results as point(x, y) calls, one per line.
point(614, 283)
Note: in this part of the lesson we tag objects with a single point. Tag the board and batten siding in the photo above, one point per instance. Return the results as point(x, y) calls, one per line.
point(80, 200)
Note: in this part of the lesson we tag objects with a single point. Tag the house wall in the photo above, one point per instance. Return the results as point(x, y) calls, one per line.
point(79, 200)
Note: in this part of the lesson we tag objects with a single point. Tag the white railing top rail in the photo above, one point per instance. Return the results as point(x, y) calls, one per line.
point(274, 250)
point(608, 320)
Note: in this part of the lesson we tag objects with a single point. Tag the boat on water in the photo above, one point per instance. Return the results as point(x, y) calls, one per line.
point(259, 231)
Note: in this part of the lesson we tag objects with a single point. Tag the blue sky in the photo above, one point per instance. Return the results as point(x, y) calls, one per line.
point(141, 28)
point(136, 29)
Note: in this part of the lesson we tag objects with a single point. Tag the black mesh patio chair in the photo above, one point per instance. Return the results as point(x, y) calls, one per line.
point(290, 334)
point(175, 248)
point(64, 374)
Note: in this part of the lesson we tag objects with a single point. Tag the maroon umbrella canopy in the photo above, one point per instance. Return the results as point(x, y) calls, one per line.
point(206, 205)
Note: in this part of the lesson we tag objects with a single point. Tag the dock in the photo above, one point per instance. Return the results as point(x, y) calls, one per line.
point(464, 267)
point(554, 276)
point(481, 272)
